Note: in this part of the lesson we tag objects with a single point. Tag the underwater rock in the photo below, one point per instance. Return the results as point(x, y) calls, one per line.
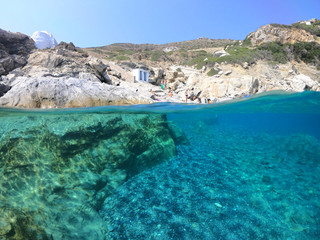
point(177, 134)
point(18, 225)
point(59, 168)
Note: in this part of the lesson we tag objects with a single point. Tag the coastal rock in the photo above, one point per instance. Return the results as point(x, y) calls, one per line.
point(4, 89)
point(7, 64)
point(62, 62)
point(71, 163)
point(99, 69)
point(301, 82)
point(14, 50)
point(67, 92)
point(43, 40)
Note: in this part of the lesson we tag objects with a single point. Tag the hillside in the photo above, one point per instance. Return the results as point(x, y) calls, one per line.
point(274, 57)
point(274, 43)
point(177, 52)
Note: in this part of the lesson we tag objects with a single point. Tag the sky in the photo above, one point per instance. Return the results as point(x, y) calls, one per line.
point(93, 23)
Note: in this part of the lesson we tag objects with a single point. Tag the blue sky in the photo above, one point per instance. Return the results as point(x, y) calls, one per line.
point(89, 23)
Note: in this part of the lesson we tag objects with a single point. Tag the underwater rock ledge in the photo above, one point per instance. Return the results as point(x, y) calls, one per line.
point(57, 170)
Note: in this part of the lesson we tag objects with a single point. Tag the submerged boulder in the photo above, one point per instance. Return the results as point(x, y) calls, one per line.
point(44, 40)
point(58, 168)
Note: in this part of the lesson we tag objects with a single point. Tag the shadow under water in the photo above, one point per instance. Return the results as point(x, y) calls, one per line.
point(239, 170)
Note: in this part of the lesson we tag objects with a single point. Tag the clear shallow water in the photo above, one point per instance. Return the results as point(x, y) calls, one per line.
point(242, 170)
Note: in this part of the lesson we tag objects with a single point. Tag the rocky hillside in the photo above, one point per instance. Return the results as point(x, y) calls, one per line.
point(305, 31)
point(275, 57)
point(176, 53)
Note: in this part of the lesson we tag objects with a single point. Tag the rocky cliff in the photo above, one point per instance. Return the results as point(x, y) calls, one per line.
point(275, 33)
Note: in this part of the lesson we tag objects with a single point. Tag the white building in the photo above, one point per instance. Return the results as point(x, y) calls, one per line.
point(140, 75)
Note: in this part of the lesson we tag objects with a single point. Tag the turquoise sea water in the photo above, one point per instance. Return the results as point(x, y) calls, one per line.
point(247, 169)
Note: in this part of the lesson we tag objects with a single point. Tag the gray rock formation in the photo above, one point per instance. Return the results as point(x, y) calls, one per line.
point(67, 92)
point(14, 50)
point(4, 89)
point(63, 61)
point(64, 77)
point(239, 81)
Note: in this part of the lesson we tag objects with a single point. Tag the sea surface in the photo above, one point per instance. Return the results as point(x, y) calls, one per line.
point(244, 169)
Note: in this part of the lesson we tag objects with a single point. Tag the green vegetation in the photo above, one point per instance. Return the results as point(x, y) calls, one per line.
point(212, 72)
point(278, 50)
point(189, 53)
point(238, 55)
point(307, 52)
point(178, 70)
point(246, 42)
point(121, 58)
point(197, 59)
point(156, 55)
point(314, 28)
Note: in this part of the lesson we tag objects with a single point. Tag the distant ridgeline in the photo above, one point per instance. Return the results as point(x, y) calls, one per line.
point(274, 42)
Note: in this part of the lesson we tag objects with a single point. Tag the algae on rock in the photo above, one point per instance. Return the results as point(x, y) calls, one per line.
point(56, 170)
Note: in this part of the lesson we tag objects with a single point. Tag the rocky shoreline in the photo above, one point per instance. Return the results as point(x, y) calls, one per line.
point(65, 76)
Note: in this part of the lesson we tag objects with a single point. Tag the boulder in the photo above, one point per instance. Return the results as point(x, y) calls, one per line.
point(221, 53)
point(228, 72)
point(7, 64)
point(254, 87)
point(69, 46)
point(302, 82)
point(14, 50)
point(43, 40)
point(4, 89)
point(99, 69)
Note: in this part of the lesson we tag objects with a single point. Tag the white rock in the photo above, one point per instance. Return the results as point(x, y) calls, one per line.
point(44, 40)
point(300, 82)
point(228, 72)
point(221, 53)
